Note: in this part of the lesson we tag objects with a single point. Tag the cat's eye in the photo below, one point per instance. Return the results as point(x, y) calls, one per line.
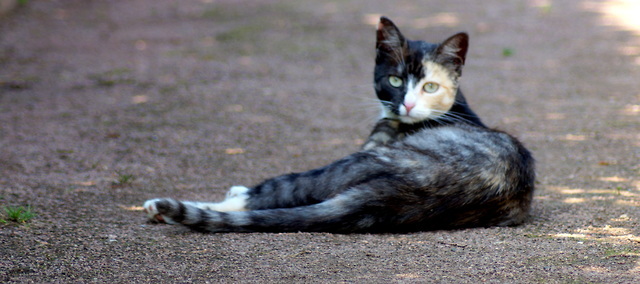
point(395, 81)
point(430, 87)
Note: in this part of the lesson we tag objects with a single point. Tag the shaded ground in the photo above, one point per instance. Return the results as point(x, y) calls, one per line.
point(104, 104)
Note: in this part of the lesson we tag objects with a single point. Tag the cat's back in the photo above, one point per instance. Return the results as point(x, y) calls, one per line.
point(464, 175)
point(466, 138)
point(461, 150)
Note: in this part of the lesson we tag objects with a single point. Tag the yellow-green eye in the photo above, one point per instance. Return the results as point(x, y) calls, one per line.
point(395, 81)
point(431, 87)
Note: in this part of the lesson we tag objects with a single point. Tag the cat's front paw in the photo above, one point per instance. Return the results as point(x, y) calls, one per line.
point(156, 207)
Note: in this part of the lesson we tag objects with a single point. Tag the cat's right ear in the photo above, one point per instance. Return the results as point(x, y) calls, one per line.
point(453, 52)
point(389, 38)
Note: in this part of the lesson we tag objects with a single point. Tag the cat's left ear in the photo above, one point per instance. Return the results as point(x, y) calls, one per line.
point(389, 39)
point(453, 51)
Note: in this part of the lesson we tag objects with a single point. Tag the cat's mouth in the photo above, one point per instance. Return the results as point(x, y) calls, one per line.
point(411, 119)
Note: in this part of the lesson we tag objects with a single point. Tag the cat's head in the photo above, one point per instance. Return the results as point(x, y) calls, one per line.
point(416, 80)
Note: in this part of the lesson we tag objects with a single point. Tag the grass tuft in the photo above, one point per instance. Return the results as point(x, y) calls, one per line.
point(123, 180)
point(17, 214)
point(507, 52)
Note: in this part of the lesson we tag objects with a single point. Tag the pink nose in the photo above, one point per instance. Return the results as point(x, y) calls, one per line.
point(409, 106)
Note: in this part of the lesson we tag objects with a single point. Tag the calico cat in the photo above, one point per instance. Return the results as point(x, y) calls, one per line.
point(430, 163)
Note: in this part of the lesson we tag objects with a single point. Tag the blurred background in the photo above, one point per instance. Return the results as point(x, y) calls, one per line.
point(104, 104)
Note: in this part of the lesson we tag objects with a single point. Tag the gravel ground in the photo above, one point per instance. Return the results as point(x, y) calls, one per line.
point(104, 104)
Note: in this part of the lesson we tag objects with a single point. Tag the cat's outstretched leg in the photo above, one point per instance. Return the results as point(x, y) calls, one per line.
point(351, 211)
point(295, 189)
point(236, 200)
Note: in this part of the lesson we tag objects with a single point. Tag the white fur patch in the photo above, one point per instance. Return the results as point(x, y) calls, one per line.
point(236, 201)
point(410, 98)
point(237, 190)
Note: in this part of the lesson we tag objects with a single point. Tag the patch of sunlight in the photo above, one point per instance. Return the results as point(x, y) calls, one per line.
point(572, 191)
point(621, 218)
point(234, 151)
point(613, 191)
point(604, 191)
point(85, 183)
point(619, 13)
point(567, 235)
point(631, 109)
point(132, 208)
point(596, 269)
point(408, 276)
point(613, 179)
point(573, 200)
point(626, 193)
point(627, 202)
point(606, 230)
point(561, 188)
point(575, 137)
point(610, 271)
point(607, 233)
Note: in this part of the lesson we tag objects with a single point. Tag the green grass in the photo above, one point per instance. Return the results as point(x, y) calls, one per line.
point(17, 214)
point(123, 180)
point(621, 253)
point(507, 52)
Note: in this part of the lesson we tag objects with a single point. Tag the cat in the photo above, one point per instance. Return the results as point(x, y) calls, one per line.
point(430, 163)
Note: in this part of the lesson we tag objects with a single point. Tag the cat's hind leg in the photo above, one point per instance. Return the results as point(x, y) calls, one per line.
point(236, 200)
point(351, 211)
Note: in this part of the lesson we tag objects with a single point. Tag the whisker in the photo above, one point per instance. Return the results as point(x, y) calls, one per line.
point(450, 116)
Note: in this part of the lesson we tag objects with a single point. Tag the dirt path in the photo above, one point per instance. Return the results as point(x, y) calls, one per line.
point(104, 104)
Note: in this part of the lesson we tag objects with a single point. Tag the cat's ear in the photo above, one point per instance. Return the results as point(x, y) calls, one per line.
point(389, 38)
point(453, 51)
